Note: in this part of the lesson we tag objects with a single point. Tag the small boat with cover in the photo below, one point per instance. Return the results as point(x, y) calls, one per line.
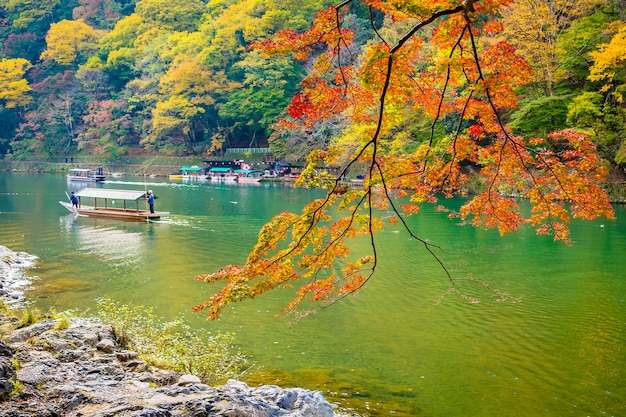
point(86, 175)
point(193, 172)
point(113, 204)
point(222, 174)
point(249, 175)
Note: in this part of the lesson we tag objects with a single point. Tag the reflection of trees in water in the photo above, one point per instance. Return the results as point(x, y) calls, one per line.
point(118, 247)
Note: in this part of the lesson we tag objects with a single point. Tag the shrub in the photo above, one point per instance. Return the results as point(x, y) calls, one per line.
point(173, 344)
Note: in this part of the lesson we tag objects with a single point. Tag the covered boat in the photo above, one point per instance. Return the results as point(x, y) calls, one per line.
point(86, 175)
point(189, 173)
point(249, 175)
point(115, 204)
point(222, 174)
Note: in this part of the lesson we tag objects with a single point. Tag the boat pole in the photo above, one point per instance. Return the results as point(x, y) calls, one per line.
point(145, 191)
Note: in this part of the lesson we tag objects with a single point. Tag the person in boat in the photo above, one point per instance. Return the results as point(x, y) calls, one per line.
point(74, 200)
point(151, 201)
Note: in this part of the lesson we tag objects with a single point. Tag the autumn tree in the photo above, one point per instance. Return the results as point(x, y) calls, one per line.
point(187, 92)
point(601, 111)
point(535, 28)
point(14, 88)
point(109, 130)
point(70, 42)
point(100, 14)
point(15, 93)
point(52, 126)
point(555, 37)
point(446, 62)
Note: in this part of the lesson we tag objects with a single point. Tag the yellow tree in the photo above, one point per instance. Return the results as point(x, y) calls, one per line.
point(173, 120)
point(71, 42)
point(533, 27)
point(609, 69)
point(609, 65)
point(187, 91)
point(14, 88)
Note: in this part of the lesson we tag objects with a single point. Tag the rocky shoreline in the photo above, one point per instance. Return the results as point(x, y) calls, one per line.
point(77, 368)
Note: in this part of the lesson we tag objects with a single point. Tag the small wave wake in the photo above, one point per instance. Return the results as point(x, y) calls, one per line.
point(13, 280)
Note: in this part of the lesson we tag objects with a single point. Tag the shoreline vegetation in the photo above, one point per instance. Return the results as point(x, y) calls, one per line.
point(163, 167)
point(58, 364)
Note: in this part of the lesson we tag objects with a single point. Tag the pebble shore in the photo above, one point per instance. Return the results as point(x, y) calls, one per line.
point(47, 370)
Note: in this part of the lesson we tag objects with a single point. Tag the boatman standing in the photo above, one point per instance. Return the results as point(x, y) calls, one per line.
point(151, 201)
point(74, 200)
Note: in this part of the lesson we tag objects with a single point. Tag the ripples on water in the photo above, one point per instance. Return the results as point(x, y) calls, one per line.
point(556, 346)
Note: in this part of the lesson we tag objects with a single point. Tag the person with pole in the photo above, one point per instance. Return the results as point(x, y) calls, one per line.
point(74, 200)
point(151, 201)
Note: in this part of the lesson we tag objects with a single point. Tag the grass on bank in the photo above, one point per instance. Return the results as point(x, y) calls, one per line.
point(213, 358)
point(173, 345)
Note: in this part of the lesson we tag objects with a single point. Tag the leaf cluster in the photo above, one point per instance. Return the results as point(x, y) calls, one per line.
point(465, 78)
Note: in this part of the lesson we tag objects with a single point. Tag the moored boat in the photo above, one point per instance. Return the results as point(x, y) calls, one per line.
point(86, 174)
point(114, 204)
point(249, 175)
point(222, 174)
point(193, 172)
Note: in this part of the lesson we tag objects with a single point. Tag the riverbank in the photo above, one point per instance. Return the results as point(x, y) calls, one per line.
point(76, 367)
point(615, 186)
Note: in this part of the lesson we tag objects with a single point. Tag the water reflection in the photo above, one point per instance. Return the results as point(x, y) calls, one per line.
point(396, 347)
point(117, 246)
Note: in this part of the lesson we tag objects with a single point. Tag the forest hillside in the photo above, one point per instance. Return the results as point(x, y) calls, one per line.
point(119, 78)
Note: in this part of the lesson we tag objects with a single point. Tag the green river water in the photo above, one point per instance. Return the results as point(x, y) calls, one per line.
point(555, 347)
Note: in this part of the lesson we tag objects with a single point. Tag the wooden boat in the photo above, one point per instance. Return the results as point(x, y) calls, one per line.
point(188, 173)
point(249, 175)
point(222, 174)
point(114, 204)
point(86, 175)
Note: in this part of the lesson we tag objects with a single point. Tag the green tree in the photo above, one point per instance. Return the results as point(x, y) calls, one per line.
point(170, 16)
point(602, 111)
point(36, 17)
point(268, 87)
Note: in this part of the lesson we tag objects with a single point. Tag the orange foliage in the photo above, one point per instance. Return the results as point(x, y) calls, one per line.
point(449, 63)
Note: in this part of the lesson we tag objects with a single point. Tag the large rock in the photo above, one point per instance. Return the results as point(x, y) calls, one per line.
point(68, 373)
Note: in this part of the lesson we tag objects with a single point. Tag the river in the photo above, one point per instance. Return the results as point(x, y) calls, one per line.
point(546, 336)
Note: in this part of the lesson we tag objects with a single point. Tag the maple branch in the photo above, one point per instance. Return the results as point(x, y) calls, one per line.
point(509, 138)
point(338, 46)
point(374, 28)
point(424, 23)
point(319, 241)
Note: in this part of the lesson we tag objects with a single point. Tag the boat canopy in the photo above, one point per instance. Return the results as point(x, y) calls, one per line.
point(132, 195)
point(216, 169)
point(80, 170)
point(246, 171)
point(193, 168)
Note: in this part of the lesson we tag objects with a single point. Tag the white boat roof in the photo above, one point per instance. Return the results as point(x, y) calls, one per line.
point(111, 194)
